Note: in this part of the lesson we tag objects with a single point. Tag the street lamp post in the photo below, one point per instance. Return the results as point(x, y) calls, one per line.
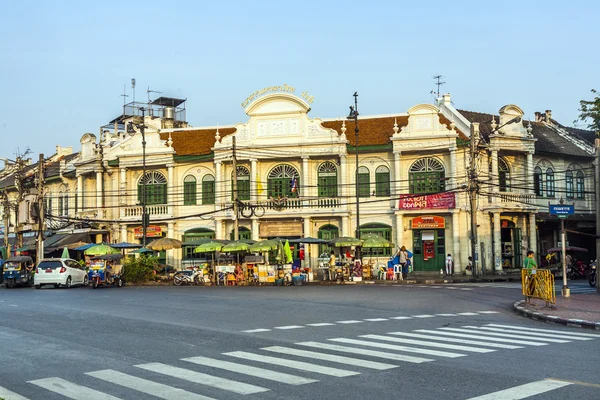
point(354, 114)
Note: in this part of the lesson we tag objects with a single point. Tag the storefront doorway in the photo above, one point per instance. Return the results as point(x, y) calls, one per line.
point(511, 238)
point(429, 243)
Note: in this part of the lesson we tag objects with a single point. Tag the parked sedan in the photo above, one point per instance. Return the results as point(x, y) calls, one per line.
point(60, 271)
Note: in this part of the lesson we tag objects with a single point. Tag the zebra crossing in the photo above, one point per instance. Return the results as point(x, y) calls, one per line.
point(579, 287)
point(303, 363)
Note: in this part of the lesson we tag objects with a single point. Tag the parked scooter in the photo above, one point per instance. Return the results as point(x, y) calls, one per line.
point(194, 276)
point(593, 275)
point(577, 271)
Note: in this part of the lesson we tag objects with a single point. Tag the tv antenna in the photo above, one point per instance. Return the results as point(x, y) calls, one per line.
point(438, 83)
point(151, 91)
point(133, 87)
point(124, 95)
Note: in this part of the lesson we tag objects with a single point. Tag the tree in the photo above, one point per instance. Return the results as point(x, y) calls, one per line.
point(589, 110)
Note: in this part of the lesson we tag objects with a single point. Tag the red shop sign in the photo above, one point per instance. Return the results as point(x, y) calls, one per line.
point(438, 200)
point(429, 222)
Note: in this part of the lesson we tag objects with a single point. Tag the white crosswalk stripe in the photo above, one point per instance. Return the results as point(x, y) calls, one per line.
point(330, 357)
point(485, 334)
point(455, 340)
point(8, 395)
point(522, 328)
point(304, 366)
point(250, 370)
point(321, 324)
point(428, 344)
point(145, 386)
point(479, 337)
point(366, 352)
point(550, 335)
point(388, 346)
point(477, 329)
point(203, 379)
point(524, 391)
point(71, 390)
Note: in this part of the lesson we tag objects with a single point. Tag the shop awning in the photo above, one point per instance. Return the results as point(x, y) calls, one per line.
point(59, 241)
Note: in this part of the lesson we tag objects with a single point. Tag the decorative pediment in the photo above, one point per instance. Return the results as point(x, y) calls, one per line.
point(277, 104)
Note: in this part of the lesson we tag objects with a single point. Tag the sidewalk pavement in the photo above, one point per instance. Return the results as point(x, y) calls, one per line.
point(579, 310)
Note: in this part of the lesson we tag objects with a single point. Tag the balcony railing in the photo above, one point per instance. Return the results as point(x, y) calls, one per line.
point(136, 211)
point(512, 198)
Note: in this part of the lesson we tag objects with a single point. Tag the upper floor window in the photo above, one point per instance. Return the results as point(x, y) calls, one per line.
point(208, 189)
point(550, 185)
point(569, 185)
point(154, 185)
point(503, 175)
point(243, 183)
point(426, 176)
point(364, 182)
point(580, 185)
point(283, 181)
point(382, 181)
point(327, 179)
point(189, 190)
point(538, 182)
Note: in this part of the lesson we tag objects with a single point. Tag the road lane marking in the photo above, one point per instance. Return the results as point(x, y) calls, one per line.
point(250, 370)
point(428, 344)
point(455, 340)
point(423, 316)
point(330, 357)
point(399, 348)
point(446, 315)
point(545, 330)
point(8, 395)
point(476, 329)
point(467, 313)
point(289, 327)
point(479, 337)
point(366, 352)
point(71, 390)
point(203, 379)
point(488, 312)
point(524, 391)
point(304, 366)
point(550, 335)
point(321, 324)
point(257, 330)
point(351, 321)
point(376, 319)
point(400, 317)
point(145, 386)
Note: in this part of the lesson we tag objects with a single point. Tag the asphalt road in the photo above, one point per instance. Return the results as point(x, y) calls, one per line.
point(310, 342)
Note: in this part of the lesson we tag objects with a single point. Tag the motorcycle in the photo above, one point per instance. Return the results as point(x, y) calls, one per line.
point(593, 274)
point(577, 271)
point(194, 276)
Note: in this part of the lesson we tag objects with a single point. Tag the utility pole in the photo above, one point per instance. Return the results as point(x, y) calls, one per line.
point(40, 200)
point(145, 218)
point(236, 223)
point(6, 209)
point(597, 184)
point(473, 191)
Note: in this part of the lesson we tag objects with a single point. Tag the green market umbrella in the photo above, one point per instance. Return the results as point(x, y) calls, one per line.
point(376, 241)
point(100, 249)
point(65, 253)
point(209, 247)
point(288, 252)
point(235, 247)
point(263, 245)
point(345, 241)
point(280, 253)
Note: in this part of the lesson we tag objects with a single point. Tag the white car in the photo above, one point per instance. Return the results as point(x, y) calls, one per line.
point(59, 271)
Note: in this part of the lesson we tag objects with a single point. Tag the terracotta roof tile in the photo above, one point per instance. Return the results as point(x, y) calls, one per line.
point(195, 142)
point(372, 131)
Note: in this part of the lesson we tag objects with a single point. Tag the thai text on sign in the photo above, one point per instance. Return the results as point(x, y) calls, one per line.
point(429, 222)
point(151, 231)
point(438, 200)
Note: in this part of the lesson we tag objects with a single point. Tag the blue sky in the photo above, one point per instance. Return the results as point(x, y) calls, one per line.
point(64, 63)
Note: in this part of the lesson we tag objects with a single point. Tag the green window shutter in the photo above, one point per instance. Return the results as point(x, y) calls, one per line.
point(208, 192)
point(382, 184)
point(189, 193)
point(364, 185)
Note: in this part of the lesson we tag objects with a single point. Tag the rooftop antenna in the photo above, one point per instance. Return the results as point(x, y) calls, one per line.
point(438, 83)
point(150, 111)
point(124, 96)
point(133, 87)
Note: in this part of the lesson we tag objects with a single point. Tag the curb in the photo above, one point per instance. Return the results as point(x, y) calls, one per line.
point(538, 316)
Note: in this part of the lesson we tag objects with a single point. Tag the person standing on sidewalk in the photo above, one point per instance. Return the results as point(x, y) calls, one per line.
point(449, 264)
point(530, 265)
point(403, 258)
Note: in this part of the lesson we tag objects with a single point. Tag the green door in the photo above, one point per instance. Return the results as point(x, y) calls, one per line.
point(434, 249)
point(518, 238)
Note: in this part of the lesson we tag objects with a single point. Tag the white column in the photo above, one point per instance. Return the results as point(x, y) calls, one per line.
point(171, 253)
point(253, 182)
point(80, 192)
point(533, 235)
point(400, 230)
point(218, 186)
point(452, 182)
point(305, 184)
point(171, 201)
point(494, 174)
point(397, 173)
point(255, 228)
point(343, 179)
point(123, 186)
point(529, 170)
point(98, 189)
point(497, 243)
point(458, 261)
point(344, 223)
point(307, 247)
point(219, 229)
point(124, 233)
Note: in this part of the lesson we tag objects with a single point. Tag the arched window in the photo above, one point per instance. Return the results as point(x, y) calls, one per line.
point(60, 204)
point(538, 182)
point(382, 181)
point(382, 230)
point(283, 181)
point(364, 182)
point(327, 232)
point(569, 184)
point(208, 189)
point(550, 185)
point(244, 233)
point(426, 176)
point(327, 179)
point(155, 185)
point(503, 175)
point(189, 191)
point(243, 183)
point(580, 185)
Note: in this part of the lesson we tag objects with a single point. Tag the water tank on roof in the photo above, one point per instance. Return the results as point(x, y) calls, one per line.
point(169, 112)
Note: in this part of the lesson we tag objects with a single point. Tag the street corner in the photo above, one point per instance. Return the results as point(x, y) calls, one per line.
point(561, 315)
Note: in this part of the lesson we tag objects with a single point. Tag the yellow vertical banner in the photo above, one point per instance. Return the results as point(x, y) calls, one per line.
point(259, 186)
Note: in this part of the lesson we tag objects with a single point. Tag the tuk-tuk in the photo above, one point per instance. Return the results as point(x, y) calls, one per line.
point(18, 271)
point(105, 270)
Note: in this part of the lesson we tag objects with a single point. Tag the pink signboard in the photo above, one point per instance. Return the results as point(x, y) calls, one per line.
point(438, 200)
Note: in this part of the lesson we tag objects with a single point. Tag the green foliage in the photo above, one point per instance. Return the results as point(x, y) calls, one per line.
point(589, 110)
point(139, 269)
